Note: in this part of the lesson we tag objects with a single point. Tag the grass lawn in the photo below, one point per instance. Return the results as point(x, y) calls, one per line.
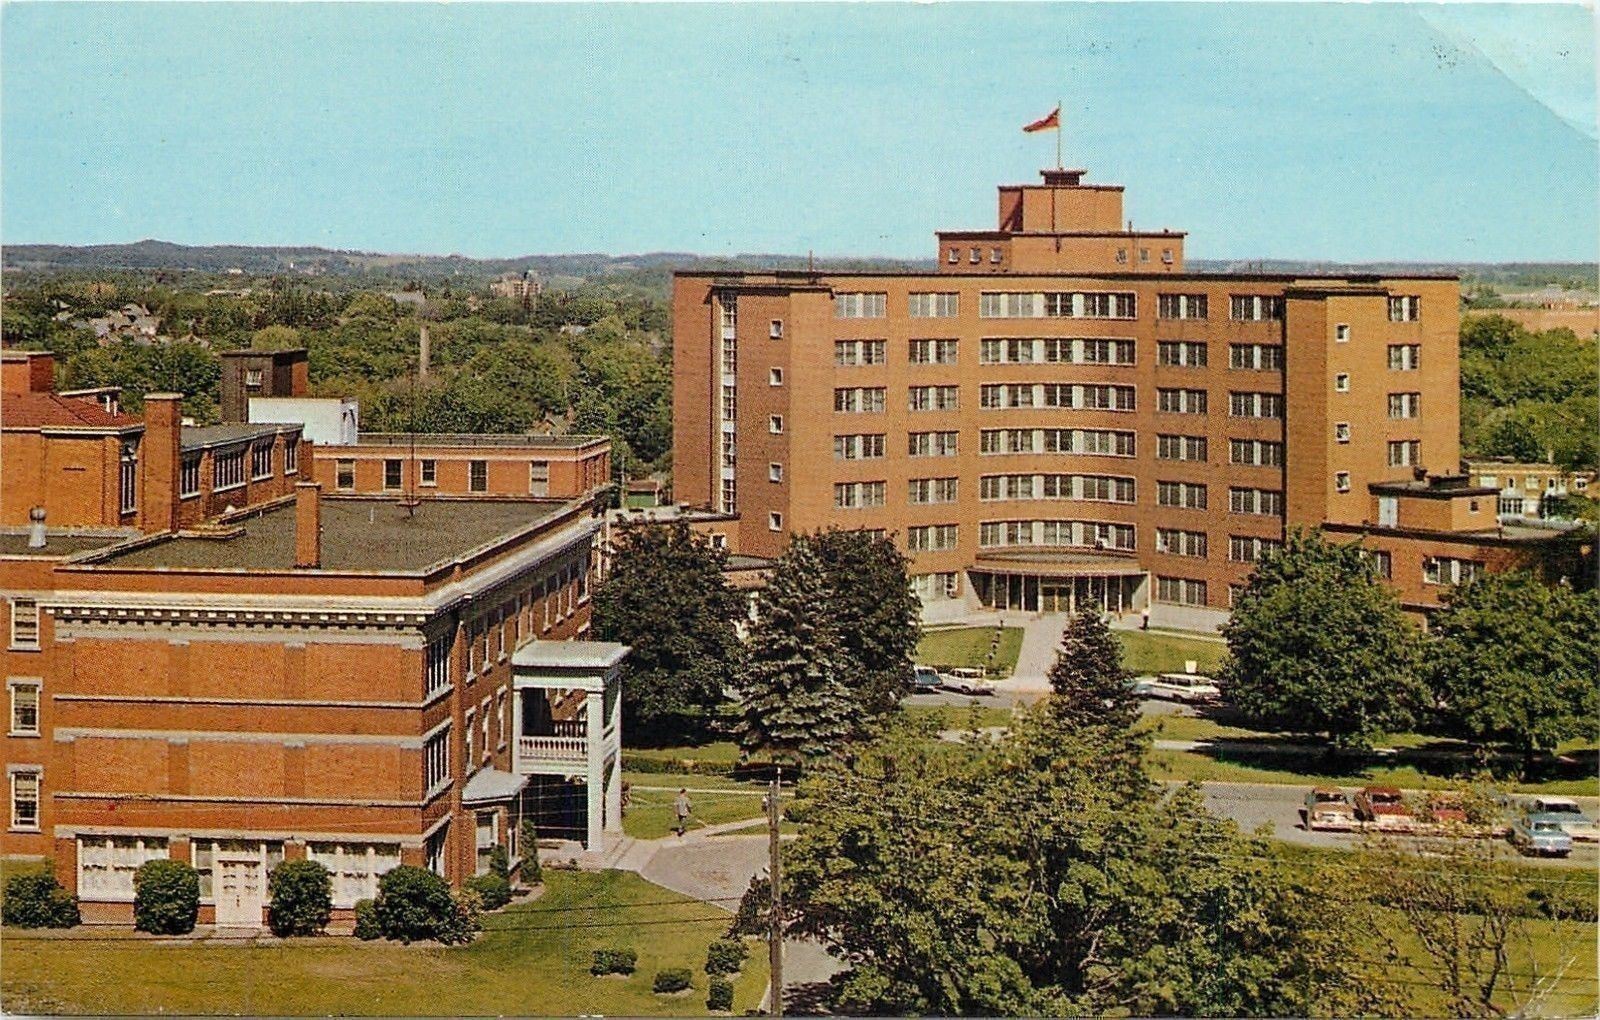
point(719, 752)
point(1247, 767)
point(1151, 651)
point(533, 959)
point(968, 647)
point(650, 813)
point(961, 717)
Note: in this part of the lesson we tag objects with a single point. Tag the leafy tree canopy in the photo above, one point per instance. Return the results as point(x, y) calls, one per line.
point(875, 610)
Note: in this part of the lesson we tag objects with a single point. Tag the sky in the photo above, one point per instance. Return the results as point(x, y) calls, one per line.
point(1347, 132)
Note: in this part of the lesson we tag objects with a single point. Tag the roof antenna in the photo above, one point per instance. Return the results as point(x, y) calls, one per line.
point(410, 500)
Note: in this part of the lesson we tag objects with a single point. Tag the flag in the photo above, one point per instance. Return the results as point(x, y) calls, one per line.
point(1049, 122)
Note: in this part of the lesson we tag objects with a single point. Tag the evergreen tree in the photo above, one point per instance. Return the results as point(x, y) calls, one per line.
point(1091, 687)
point(875, 610)
point(797, 684)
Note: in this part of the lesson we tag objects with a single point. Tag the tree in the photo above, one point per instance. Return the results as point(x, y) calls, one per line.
point(1514, 661)
point(1091, 687)
point(796, 688)
point(874, 609)
point(1318, 644)
point(666, 596)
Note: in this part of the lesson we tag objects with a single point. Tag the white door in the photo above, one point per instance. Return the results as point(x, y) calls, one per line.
point(239, 893)
point(1388, 512)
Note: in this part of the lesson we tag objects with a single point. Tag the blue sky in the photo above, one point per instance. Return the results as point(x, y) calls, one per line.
point(1349, 132)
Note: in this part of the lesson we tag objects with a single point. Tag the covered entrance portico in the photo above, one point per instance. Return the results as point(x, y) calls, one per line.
point(1034, 582)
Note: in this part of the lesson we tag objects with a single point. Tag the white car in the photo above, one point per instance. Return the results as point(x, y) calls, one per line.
point(1576, 824)
point(967, 681)
point(1189, 688)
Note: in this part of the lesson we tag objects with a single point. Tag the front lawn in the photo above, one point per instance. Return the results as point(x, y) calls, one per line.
point(651, 814)
point(1243, 765)
point(968, 648)
point(1152, 651)
point(532, 959)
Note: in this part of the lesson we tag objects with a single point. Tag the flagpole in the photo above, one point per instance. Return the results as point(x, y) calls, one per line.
point(1059, 164)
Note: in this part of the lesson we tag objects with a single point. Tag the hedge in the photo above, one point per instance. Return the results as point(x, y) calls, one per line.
point(37, 900)
point(302, 898)
point(673, 979)
point(493, 890)
point(415, 905)
point(367, 926)
point(719, 995)
point(614, 961)
point(726, 956)
point(166, 897)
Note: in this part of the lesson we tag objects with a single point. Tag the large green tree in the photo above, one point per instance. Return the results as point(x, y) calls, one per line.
point(1090, 685)
point(874, 609)
point(667, 597)
point(797, 697)
point(1516, 661)
point(1318, 644)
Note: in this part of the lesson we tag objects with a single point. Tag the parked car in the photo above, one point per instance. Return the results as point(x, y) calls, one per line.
point(967, 681)
point(1383, 807)
point(1541, 836)
point(1445, 809)
point(925, 678)
point(1578, 825)
point(1188, 688)
point(1328, 809)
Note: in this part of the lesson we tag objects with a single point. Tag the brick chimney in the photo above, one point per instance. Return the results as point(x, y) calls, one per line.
point(308, 525)
point(160, 459)
point(28, 372)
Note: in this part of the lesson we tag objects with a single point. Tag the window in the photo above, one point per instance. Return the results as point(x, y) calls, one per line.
point(106, 864)
point(1175, 542)
point(261, 460)
point(1405, 405)
point(1183, 591)
point(730, 356)
point(1255, 357)
point(977, 256)
point(1341, 333)
point(933, 352)
point(1449, 570)
point(1181, 448)
point(1182, 306)
point(24, 707)
point(1263, 502)
point(1175, 401)
point(774, 377)
point(775, 424)
point(436, 762)
point(934, 306)
point(486, 838)
point(858, 495)
point(1057, 305)
point(1255, 405)
point(933, 398)
point(538, 478)
point(430, 472)
point(858, 447)
point(1341, 432)
point(252, 378)
point(1405, 357)
point(24, 623)
point(1249, 548)
point(774, 521)
point(189, 476)
point(1144, 254)
point(391, 473)
point(1256, 452)
point(1122, 256)
point(344, 474)
point(931, 444)
point(203, 856)
point(1255, 308)
point(477, 476)
point(1341, 481)
point(936, 586)
point(1382, 562)
point(1405, 453)
point(775, 329)
point(730, 496)
point(932, 490)
point(227, 470)
point(730, 403)
point(1091, 442)
point(931, 538)
point(469, 736)
point(859, 306)
point(849, 353)
point(1341, 382)
point(774, 472)
point(436, 665)
point(1181, 353)
point(1405, 309)
point(1077, 534)
point(128, 477)
point(1188, 495)
point(354, 867)
point(954, 256)
point(859, 399)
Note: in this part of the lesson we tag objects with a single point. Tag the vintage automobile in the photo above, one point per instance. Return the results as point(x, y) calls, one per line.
point(1327, 809)
point(1188, 688)
point(1541, 836)
point(1576, 824)
point(925, 679)
point(967, 681)
point(1445, 809)
point(1383, 807)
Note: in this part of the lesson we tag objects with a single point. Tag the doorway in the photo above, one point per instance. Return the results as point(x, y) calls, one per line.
point(239, 892)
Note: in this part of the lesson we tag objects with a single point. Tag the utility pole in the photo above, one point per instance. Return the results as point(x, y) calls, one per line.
point(775, 869)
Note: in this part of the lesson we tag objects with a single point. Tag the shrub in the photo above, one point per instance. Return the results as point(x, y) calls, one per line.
point(463, 924)
point(413, 905)
point(719, 994)
point(166, 897)
point(499, 862)
point(36, 900)
point(302, 898)
point(754, 907)
point(726, 956)
point(367, 926)
point(614, 961)
point(673, 979)
point(493, 890)
point(528, 840)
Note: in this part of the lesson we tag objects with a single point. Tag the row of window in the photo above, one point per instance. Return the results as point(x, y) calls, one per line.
point(1252, 357)
point(1076, 304)
point(492, 637)
point(1086, 442)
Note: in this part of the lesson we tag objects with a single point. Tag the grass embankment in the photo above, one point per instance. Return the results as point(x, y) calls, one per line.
point(1154, 651)
point(969, 647)
point(532, 959)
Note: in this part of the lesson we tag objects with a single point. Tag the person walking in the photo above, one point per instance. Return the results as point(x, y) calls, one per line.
point(683, 809)
point(1144, 619)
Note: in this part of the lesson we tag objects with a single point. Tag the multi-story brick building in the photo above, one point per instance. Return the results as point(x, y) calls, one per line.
point(1060, 413)
point(501, 465)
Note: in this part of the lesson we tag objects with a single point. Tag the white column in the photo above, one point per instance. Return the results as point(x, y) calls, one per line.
point(614, 749)
point(594, 787)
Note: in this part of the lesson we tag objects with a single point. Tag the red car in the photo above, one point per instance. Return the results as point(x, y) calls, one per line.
point(1383, 806)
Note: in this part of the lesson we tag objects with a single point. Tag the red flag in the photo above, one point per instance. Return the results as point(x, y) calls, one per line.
point(1050, 122)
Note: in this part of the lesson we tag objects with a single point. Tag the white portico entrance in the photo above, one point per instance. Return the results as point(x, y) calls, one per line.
point(569, 712)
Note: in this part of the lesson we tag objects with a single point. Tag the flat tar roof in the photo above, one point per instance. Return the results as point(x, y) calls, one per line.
point(530, 439)
point(374, 535)
point(16, 544)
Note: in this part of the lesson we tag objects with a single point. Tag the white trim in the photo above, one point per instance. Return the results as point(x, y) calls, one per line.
point(409, 839)
point(262, 702)
point(193, 798)
point(12, 685)
point(12, 772)
point(66, 734)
